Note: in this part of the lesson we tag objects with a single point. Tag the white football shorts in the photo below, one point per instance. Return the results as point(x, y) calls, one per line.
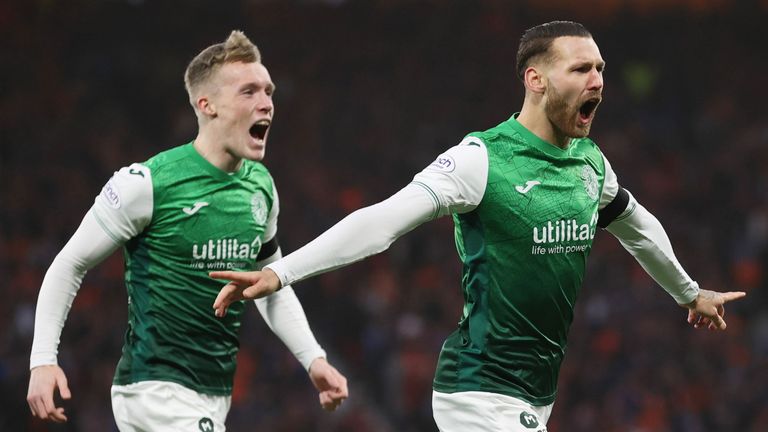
point(161, 406)
point(475, 411)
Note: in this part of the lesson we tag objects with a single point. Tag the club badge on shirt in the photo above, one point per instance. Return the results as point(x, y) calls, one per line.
point(259, 208)
point(589, 177)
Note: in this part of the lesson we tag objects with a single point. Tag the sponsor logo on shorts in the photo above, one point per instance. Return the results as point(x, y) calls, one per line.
point(529, 420)
point(205, 424)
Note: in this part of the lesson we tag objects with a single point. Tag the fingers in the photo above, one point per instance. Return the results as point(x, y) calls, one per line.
point(57, 415)
point(42, 407)
point(242, 277)
point(708, 311)
point(61, 382)
point(730, 296)
point(327, 402)
point(332, 399)
point(228, 295)
point(718, 322)
point(43, 381)
point(692, 318)
point(331, 383)
point(37, 405)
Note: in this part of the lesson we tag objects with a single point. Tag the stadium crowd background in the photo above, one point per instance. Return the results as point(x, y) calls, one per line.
point(369, 92)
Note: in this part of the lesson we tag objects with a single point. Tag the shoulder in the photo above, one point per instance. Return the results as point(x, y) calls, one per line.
point(495, 133)
point(586, 147)
point(255, 169)
point(586, 144)
point(169, 156)
point(255, 172)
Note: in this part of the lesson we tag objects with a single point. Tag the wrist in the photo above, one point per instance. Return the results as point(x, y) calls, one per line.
point(274, 279)
point(312, 363)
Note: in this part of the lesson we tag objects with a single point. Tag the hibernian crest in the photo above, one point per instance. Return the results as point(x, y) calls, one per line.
point(589, 177)
point(259, 208)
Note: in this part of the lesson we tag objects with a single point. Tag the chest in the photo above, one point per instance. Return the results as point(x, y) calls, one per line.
point(210, 225)
point(526, 193)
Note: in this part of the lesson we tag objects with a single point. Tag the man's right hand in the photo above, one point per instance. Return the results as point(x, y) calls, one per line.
point(243, 286)
point(43, 381)
point(708, 310)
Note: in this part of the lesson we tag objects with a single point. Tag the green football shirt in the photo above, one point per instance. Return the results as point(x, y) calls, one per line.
point(179, 218)
point(523, 242)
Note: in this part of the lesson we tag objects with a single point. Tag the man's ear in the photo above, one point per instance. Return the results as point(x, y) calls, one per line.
point(534, 79)
point(206, 106)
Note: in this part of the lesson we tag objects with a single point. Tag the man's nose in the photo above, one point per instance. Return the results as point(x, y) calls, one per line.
point(595, 80)
point(265, 104)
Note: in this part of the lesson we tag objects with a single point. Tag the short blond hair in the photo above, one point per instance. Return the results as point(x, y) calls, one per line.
point(237, 48)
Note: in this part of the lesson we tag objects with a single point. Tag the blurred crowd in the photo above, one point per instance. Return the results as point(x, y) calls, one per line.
point(368, 93)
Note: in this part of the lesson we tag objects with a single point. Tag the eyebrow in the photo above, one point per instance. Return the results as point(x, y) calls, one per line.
point(579, 63)
point(270, 86)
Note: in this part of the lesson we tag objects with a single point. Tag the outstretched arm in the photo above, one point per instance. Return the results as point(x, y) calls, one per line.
point(363, 233)
point(454, 183)
point(642, 235)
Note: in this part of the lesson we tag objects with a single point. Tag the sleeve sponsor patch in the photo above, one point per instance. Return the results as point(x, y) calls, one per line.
point(444, 163)
point(111, 195)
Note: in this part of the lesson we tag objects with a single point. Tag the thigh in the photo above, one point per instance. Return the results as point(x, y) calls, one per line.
point(487, 412)
point(159, 406)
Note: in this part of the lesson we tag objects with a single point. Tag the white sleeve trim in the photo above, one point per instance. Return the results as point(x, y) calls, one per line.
point(284, 315)
point(363, 233)
point(271, 228)
point(124, 206)
point(644, 237)
point(88, 246)
point(610, 184)
point(458, 177)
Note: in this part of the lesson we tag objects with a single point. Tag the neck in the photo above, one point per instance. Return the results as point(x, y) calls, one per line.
point(212, 149)
point(535, 120)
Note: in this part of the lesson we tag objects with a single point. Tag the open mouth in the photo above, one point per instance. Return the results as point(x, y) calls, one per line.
point(259, 129)
point(587, 109)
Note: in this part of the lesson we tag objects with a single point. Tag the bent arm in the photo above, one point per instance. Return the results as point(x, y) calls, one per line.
point(121, 211)
point(88, 246)
point(284, 315)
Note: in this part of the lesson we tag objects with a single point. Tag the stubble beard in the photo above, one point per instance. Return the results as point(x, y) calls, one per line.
point(562, 116)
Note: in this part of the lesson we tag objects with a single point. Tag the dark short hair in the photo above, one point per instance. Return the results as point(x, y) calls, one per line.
point(536, 41)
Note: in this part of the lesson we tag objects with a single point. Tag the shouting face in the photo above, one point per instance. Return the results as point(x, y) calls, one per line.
point(574, 85)
point(243, 109)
